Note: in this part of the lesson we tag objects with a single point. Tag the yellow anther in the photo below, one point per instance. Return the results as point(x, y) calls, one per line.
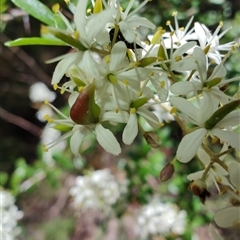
point(174, 14)
point(181, 29)
point(140, 93)
point(173, 110)
point(80, 88)
point(116, 110)
point(46, 102)
point(172, 33)
point(220, 23)
point(46, 117)
point(160, 124)
point(121, 9)
point(132, 110)
point(62, 90)
point(55, 86)
point(45, 149)
point(168, 23)
point(67, 1)
point(76, 35)
point(55, 8)
point(162, 84)
point(178, 58)
point(89, 10)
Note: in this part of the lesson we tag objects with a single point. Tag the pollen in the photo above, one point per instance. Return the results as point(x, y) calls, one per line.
point(174, 13)
point(181, 29)
point(67, 1)
point(46, 102)
point(89, 10)
point(55, 8)
point(132, 110)
point(45, 149)
point(220, 23)
point(168, 23)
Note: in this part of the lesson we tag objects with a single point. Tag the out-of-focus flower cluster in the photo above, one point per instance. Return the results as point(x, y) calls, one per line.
point(158, 218)
point(97, 190)
point(9, 216)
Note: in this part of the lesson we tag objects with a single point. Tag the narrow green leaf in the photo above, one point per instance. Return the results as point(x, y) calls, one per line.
point(221, 113)
point(34, 41)
point(41, 12)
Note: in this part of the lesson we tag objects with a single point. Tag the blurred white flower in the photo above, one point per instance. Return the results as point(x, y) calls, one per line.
point(98, 190)
point(160, 218)
point(9, 216)
point(39, 92)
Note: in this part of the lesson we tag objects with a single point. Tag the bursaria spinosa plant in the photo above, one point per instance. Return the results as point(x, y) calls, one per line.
point(115, 77)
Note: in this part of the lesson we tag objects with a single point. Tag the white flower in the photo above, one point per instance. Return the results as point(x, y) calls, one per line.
point(9, 216)
point(205, 39)
point(181, 34)
point(198, 116)
point(230, 216)
point(97, 190)
point(160, 218)
point(39, 92)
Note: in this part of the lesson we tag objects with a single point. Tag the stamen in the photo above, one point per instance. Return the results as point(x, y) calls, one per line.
point(55, 8)
point(132, 110)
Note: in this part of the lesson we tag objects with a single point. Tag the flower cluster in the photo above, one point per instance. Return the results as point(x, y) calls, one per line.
point(9, 216)
point(159, 218)
point(114, 77)
point(98, 190)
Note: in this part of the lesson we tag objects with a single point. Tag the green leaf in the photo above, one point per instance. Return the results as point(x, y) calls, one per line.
point(34, 41)
point(41, 12)
point(221, 113)
point(3, 178)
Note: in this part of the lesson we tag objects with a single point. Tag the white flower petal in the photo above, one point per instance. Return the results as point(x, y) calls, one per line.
point(63, 66)
point(77, 138)
point(213, 233)
point(107, 140)
point(131, 130)
point(189, 145)
point(183, 88)
point(120, 117)
point(234, 173)
point(229, 137)
point(195, 176)
point(232, 119)
point(117, 55)
point(185, 107)
point(228, 217)
point(127, 32)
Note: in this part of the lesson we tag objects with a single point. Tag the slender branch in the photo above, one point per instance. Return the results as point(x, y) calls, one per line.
point(20, 122)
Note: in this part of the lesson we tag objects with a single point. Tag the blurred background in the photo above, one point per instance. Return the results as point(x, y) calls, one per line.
point(98, 196)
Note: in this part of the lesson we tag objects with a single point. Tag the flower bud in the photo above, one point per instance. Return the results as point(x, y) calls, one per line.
point(152, 139)
point(166, 172)
point(85, 111)
point(199, 189)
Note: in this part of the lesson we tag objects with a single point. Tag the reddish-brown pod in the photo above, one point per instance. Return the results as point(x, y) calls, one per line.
point(80, 109)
